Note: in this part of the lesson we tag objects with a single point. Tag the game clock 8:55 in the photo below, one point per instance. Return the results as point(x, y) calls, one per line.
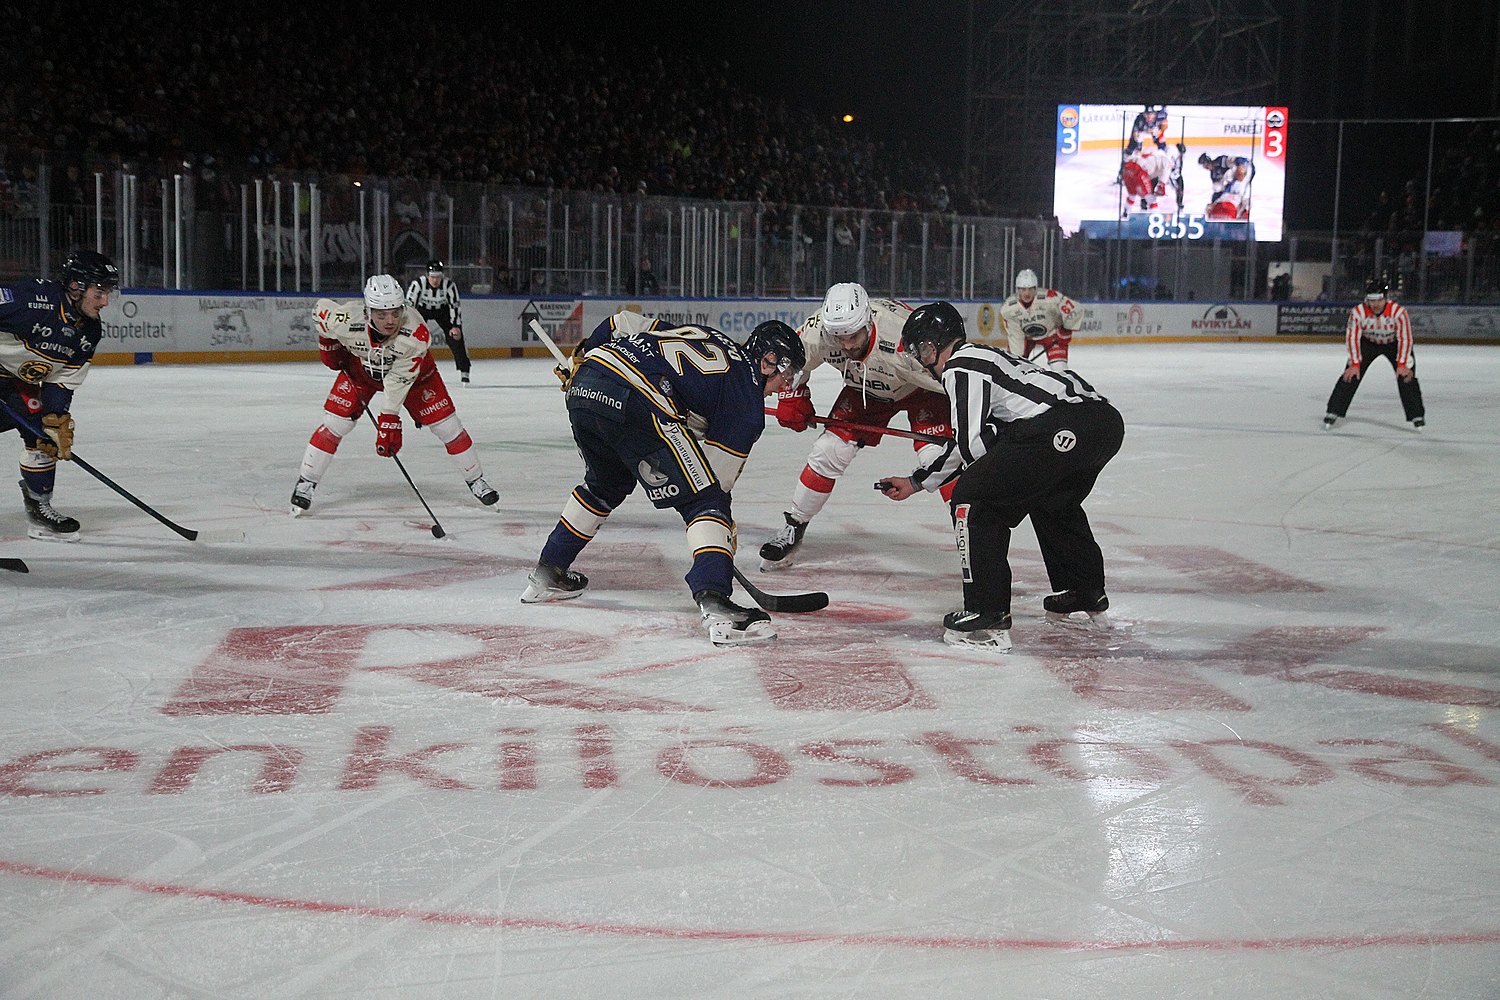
point(1161, 226)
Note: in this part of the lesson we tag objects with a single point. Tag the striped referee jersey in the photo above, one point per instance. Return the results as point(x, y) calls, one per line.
point(987, 388)
point(440, 303)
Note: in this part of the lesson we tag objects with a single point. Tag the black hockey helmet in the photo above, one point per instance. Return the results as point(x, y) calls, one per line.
point(1204, 159)
point(90, 267)
point(936, 323)
point(436, 267)
point(780, 342)
point(1377, 288)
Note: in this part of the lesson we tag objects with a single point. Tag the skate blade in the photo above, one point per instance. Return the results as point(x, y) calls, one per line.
point(48, 535)
point(296, 511)
point(541, 595)
point(992, 640)
point(725, 634)
point(772, 565)
point(1088, 620)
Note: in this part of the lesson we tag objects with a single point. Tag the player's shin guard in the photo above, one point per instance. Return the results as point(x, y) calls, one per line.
point(710, 535)
point(38, 471)
point(810, 494)
point(829, 459)
point(581, 518)
point(321, 446)
point(457, 442)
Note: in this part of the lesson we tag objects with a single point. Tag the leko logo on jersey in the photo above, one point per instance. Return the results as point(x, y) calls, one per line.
point(658, 486)
point(1064, 440)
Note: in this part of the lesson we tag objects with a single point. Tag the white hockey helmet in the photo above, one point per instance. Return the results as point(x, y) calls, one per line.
point(383, 292)
point(1026, 278)
point(846, 309)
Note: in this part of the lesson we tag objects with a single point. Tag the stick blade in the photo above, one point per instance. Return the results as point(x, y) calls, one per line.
point(792, 603)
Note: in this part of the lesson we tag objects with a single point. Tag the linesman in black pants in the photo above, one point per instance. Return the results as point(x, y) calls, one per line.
point(1027, 441)
point(436, 298)
point(1378, 328)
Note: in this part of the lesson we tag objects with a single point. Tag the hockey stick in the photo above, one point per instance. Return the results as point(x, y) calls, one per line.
point(550, 344)
point(871, 429)
point(14, 565)
point(437, 529)
point(793, 603)
point(35, 432)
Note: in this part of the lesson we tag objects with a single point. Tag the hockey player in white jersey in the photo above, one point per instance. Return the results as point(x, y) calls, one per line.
point(1031, 319)
point(860, 337)
point(381, 345)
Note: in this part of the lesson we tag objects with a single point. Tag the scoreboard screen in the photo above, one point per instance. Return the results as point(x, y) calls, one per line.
point(1158, 172)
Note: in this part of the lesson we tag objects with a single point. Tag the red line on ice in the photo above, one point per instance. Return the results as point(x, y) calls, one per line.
point(1338, 941)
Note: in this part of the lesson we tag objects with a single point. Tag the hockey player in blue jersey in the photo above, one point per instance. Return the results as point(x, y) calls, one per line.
point(1229, 180)
point(677, 411)
point(49, 331)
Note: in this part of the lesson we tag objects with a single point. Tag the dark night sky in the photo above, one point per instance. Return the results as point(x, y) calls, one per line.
point(899, 67)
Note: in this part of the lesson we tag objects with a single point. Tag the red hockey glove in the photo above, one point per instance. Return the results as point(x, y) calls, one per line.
point(387, 435)
point(794, 409)
point(332, 354)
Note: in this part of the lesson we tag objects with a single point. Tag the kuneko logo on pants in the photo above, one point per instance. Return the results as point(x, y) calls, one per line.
point(1064, 440)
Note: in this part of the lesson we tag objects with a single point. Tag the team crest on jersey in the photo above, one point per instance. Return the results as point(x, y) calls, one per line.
point(665, 385)
point(33, 371)
point(1064, 440)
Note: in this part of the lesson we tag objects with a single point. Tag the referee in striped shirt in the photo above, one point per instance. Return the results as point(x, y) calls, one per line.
point(1027, 441)
point(436, 298)
point(1378, 328)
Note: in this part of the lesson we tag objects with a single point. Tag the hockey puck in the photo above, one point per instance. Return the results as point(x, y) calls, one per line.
point(437, 531)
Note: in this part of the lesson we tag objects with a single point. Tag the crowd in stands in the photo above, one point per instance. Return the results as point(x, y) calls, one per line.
point(287, 88)
point(1465, 190)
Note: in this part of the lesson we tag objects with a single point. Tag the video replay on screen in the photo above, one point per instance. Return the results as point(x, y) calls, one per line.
point(1170, 172)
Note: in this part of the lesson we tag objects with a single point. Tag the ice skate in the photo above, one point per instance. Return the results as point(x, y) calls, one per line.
point(46, 523)
point(484, 492)
point(302, 495)
point(1078, 607)
point(464, 378)
point(1328, 421)
point(729, 624)
point(552, 583)
point(982, 629)
point(1417, 423)
point(781, 550)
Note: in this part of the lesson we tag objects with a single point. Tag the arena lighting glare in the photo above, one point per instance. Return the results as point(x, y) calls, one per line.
point(848, 119)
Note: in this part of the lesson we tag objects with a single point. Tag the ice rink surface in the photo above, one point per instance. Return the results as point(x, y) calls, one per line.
point(339, 759)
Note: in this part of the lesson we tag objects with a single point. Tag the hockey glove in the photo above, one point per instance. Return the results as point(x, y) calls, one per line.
point(59, 440)
point(1350, 374)
point(332, 354)
point(565, 375)
point(387, 435)
point(794, 409)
